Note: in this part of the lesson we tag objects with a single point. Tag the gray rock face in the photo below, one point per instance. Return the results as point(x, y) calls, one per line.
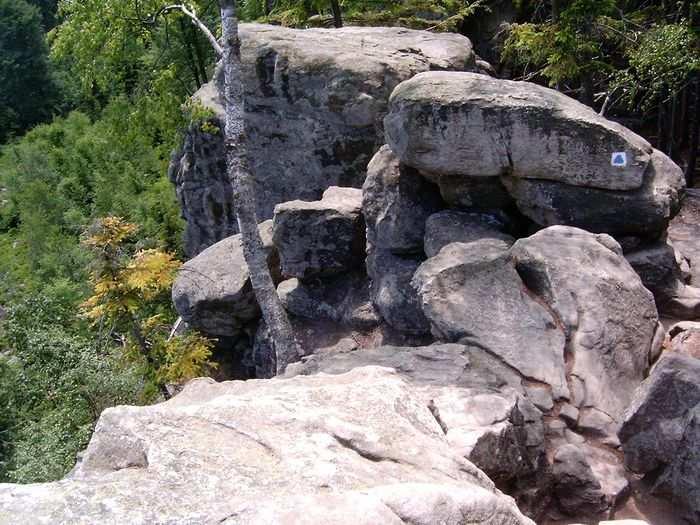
point(450, 226)
point(343, 299)
point(609, 317)
point(315, 100)
point(684, 232)
point(577, 489)
point(355, 448)
point(391, 292)
point(645, 211)
point(469, 124)
point(322, 237)
point(660, 434)
point(660, 271)
point(396, 201)
point(471, 293)
point(478, 401)
point(213, 293)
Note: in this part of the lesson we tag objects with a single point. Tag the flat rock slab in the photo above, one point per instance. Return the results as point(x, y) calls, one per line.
point(348, 449)
point(470, 124)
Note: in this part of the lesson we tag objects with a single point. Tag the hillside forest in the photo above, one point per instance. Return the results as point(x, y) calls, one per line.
point(94, 97)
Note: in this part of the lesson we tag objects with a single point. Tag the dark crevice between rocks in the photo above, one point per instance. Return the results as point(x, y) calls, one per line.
point(435, 411)
point(355, 447)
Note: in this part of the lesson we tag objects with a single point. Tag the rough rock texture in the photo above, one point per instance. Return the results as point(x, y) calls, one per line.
point(321, 237)
point(396, 201)
point(391, 292)
point(315, 99)
point(644, 212)
point(472, 135)
point(450, 226)
point(479, 402)
point(343, 299)
point(684, 232)
point(609, 318)
point(499, 127)
point(213, 293)
point(359, 448)
point(660, 434)
point(659, 267)
point(471, 293)
point(685, 338)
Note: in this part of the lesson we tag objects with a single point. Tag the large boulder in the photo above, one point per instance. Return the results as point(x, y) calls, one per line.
point(500, 127)
point(359, 448)
point(559, 160)
point(396, 201)
point(323, 237)
point(315, 101)
point(643, 212)
point(213, 292)
point(684, 232)
point(660, 434)
point(471, 293)
point(609, 317)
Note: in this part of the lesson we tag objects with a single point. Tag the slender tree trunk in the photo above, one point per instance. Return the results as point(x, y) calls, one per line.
point(337, 14)
point(190, 56)
point(286, 348)
point(694, 143)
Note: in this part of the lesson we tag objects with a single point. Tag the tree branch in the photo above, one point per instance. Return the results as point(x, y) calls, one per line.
point(192, 15)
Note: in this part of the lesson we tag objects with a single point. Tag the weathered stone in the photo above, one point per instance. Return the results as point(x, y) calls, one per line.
point(391, 292)
point(477, 400)
point(685, 338)
point(474, 193)
point(306, 449)
point(499, 127)
point(396, 201)
point(450, 226)
point(471, 293)
point(213, 293)
point(609, 317)
point(315, 101)
point(577, 489)
point(343, 299)
point(684, 232)
point(660, 434)
point(320, 237)
point(541, 397)
point(569, 414)
point(658, 267)
point(645, 211)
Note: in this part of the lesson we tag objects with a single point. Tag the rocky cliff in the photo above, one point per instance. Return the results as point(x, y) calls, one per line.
point(497, 249)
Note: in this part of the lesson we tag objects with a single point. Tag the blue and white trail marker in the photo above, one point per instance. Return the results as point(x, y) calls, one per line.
point(619, 159)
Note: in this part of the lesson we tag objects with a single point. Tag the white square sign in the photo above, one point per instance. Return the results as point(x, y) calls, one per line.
point(619, 159)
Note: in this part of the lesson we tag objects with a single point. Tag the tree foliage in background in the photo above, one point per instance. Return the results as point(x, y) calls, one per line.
point(27, 88)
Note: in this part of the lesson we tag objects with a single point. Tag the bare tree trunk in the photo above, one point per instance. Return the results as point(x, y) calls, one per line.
point(286, 348)
point(337, 15)
point(694, 143)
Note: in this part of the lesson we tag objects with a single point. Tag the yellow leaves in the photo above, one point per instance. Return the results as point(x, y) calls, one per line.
point(150, 272)
point(109, 232)
point(184, 358)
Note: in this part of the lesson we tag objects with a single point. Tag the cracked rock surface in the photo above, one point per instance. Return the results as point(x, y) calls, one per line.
point(359, 448)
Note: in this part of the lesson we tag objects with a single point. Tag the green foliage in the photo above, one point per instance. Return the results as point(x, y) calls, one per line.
point(437, 15)
point(53, 385)
point(28, 92)
point(660, 63)
point(131, 296)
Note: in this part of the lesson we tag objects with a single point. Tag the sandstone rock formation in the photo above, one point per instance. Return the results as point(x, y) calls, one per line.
point(661, 432)
point(315, 100)
point(559, 160)
point(360, 448)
